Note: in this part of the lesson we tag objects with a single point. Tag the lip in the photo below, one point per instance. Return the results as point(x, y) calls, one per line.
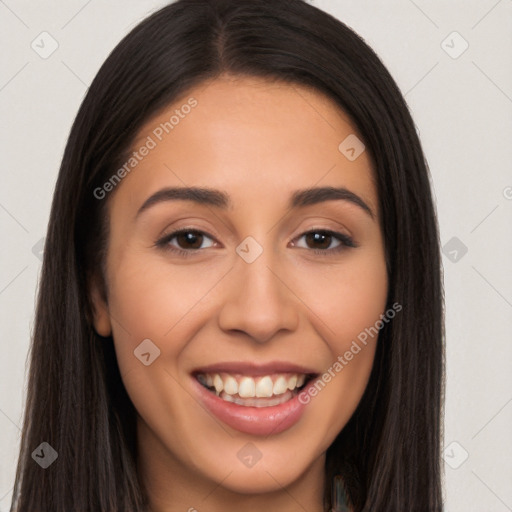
point(258, 421)
point(253, 369)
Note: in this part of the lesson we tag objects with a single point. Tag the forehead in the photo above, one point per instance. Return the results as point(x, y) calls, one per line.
point(248, 135)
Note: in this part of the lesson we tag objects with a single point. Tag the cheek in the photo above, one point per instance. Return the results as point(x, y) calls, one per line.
point(150, 300)
point(347, 298)
point(347, 303)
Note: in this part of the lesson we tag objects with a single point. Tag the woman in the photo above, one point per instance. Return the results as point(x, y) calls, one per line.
point(241, 299)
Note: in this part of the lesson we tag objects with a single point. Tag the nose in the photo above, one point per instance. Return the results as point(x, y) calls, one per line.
point(258, 300)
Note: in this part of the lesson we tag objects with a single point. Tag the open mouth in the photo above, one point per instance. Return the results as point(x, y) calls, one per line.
point(261, 391)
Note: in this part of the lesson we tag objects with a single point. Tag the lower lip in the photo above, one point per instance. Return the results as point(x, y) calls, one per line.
point(258, 421)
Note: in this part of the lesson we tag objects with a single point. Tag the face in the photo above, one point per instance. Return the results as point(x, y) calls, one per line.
point(262, 291)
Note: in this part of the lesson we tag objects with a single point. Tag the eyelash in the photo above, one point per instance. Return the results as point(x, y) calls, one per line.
point(346, 242)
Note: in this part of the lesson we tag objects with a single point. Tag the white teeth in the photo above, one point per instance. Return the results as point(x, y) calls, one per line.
point(292, 382)
point(280, 386)
point(231, 386)
point(244, 387)
point(217, 382)
point(247, 388)
point(264, 387)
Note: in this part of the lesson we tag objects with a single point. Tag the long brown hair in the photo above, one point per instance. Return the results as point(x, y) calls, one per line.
point(389, 452)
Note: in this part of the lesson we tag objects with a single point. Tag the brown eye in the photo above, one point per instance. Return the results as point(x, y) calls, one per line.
point(321, 241)
point(186, 241)
point(189, 239)
point(318, 240)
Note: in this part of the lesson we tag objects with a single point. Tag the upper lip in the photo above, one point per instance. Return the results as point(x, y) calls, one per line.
point(254, 369)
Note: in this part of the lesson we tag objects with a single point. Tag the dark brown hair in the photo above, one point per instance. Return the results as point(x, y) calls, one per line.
point(389, 452)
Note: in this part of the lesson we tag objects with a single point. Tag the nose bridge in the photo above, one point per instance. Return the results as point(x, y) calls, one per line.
point(258, 274)
point(258, 303)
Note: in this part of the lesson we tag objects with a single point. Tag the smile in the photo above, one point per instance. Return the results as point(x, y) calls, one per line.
point(259, 400)
point(263, 391)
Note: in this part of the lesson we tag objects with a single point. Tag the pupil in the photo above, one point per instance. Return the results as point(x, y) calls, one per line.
point(191, 239)
point(319, 237)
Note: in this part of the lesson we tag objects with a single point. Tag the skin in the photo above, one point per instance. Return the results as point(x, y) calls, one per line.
point(257, 141)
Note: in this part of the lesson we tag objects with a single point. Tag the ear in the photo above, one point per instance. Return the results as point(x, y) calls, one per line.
point(101, 315)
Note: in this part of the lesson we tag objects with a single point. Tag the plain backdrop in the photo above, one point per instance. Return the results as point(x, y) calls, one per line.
point(452, 61)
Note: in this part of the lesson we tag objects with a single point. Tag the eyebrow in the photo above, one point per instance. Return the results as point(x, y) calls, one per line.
point(219, 199)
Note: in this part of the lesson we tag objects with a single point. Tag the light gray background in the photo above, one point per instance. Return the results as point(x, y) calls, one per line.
point(463, 111)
